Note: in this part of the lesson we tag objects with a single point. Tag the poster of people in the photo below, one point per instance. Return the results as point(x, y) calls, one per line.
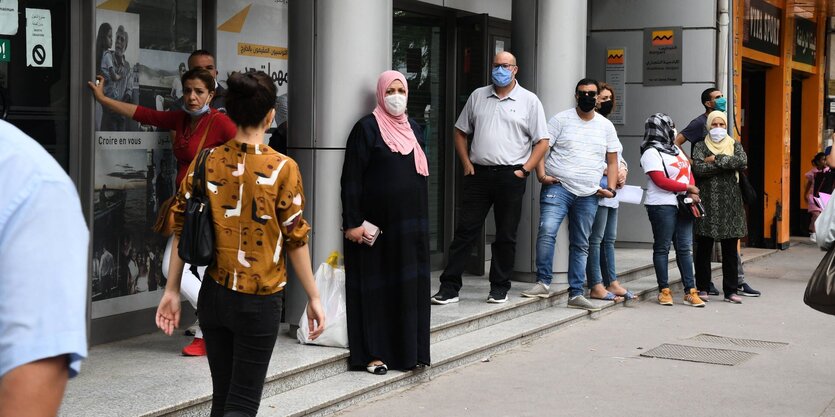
point(141, 51)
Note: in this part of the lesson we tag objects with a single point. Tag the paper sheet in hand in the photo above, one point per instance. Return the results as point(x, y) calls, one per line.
point(630, 194)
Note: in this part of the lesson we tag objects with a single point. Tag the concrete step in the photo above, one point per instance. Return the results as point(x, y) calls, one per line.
point(137, 374)
point(332, 394)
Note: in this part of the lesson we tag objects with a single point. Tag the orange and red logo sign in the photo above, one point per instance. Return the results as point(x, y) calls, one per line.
point(614, 56)
point(662, 37)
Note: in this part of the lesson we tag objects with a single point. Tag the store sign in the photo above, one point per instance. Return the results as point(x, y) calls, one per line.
point(616, 77)
point(5, 51)
point(805, 41)
point(38, 38)
point(761, 29)
point(662, 56)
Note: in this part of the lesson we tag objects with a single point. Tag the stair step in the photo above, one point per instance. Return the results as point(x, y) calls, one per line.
point(133, 370)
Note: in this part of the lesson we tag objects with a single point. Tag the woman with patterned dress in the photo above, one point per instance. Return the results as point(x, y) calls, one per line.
point(256, 200)
point(717, 161)
point(384, 182)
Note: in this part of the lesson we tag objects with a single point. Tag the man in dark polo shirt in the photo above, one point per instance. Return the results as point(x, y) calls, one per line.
point(695, 132)
point(510, 137)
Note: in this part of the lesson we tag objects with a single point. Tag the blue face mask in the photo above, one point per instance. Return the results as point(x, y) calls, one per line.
point(502, 76)
point(199, 112)
point(720, 103)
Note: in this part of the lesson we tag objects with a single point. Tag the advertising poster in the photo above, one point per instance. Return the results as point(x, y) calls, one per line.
point(141, 50)
point(253, 35)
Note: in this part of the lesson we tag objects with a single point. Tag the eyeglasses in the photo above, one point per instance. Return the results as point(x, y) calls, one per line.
point(505, 66)
point(587, 93)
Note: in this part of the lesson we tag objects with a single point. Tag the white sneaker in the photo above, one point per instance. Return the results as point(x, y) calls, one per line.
point(813, 238)
point(538, 290)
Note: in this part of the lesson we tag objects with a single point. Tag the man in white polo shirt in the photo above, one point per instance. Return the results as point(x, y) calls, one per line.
point(506, 121)
point(583, 144)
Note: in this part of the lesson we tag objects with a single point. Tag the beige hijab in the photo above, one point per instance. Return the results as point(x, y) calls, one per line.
point(724, 146)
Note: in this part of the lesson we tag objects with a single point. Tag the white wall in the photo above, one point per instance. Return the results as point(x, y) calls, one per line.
point(616, 23)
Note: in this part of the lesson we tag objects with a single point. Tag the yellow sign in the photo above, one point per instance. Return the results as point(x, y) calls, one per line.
point(262, 51)
point(662, 37)
point(614, 56)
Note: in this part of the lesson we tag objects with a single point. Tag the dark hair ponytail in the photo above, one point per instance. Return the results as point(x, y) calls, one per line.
point(249, 97)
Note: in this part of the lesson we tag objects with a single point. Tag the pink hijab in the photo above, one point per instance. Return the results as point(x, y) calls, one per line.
point(396, 131)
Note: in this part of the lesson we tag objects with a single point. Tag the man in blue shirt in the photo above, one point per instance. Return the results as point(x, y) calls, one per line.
point(43, 277)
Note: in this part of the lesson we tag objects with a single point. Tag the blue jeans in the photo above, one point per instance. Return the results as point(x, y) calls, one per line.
point(667, 227)
point(555, 202)
point(600, 267)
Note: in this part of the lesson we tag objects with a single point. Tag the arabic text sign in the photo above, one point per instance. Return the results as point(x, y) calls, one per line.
point(662, 56)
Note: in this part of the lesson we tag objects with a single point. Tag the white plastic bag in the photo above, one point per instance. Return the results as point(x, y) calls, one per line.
point(330, 279)
point(825, 227)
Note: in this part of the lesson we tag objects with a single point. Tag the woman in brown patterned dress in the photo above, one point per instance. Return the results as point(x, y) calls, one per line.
point(257, 199)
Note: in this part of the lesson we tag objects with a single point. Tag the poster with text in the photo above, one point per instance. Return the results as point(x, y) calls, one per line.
point(141, 49)
point(135, 173)
point(253, 35)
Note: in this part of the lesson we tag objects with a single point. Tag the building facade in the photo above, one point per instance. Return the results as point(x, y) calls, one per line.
point(335, 49)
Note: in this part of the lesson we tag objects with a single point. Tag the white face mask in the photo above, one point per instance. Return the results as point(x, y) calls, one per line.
point(718, 133)
point(395, 104)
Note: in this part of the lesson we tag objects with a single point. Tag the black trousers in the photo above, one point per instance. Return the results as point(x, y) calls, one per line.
point(730, 264)
point(240, 331)
point(500, 188)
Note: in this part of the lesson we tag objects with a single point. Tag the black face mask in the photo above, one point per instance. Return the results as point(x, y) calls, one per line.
point(586, 103)
point(605, 108)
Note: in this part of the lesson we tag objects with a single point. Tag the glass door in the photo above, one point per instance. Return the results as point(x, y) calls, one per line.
point(35, 74)
point(419, 52)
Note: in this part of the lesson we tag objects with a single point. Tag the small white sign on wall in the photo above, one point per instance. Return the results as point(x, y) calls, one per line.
point(38, 38)
point(8, 17)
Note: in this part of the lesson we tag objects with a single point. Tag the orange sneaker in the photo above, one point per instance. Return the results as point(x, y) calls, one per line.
point(692, 298)
point(665, 298)
point(196, 348)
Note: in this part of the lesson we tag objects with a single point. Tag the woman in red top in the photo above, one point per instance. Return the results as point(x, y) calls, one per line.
point(195, 126)
point(189, 124)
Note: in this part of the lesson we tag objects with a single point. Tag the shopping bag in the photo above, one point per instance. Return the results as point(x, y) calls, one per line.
point(820, 291)
point(825, 227)
point(330, 279)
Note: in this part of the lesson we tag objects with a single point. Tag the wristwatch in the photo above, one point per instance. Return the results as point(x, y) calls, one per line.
point(614, 193)
point(525, 172)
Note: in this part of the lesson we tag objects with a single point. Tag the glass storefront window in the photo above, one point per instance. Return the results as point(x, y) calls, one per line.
point(418, 52)
point(34, 93)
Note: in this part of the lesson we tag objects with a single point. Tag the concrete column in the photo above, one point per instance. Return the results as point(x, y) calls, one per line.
point(337, 50)
point(549, 38)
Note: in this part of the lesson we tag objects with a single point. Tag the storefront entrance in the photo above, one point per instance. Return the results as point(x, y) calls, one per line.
point(445, 56)
point(753, 140)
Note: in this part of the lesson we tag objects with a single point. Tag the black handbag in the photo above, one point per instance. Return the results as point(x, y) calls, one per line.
point(686, 206)
point(820, 291)
point(689, 208)
point(749, 194)
point(197, 239)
